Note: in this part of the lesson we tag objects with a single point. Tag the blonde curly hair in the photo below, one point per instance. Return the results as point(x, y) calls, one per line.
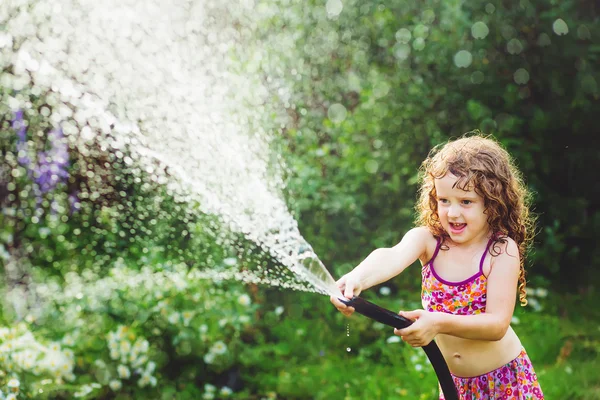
point(481, 163)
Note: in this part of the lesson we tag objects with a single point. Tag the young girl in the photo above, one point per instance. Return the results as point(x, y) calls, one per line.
point(473, 231)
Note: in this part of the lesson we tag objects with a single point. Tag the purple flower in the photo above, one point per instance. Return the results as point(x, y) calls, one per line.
point(51, 166)
point(74, 204)
point(18, 124)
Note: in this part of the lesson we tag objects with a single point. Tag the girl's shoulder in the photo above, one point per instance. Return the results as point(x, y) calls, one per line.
point(424, 234)
point(504, 246)
point(429, 240)
point(503, 250)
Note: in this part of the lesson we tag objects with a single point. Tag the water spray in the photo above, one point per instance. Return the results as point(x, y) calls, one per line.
point(392, 319)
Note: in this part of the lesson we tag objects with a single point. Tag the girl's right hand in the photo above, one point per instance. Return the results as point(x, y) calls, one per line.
point(350, 287)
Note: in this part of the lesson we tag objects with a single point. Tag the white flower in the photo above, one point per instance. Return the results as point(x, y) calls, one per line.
point(209, 388)
point(187, 317)
point(209, 358)
point(515, 320)
point(219, 348)
point(535, 304)
point(418, 367)
point(13, 383)
point(144, 380)
point(69, 354)
point(124, 347)
point(379, 326)
point(85, 390)
point(141, 345)
point(4, 333)
point(11, 396)
point(203, 328)
point(230, 262)
point(393, 339)
point(541, 292)
point(244, 300)
point(226, 391)
point(244, 319)
point(115, 385)
point(279, 310)
point(568, 369)
point(123, 372)
point(385, 291)
point(150, 367)
point(208, 396)
point(121, 331)
point(174, 318)
point(139, 361)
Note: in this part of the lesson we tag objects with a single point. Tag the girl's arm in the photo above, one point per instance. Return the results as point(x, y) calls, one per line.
point(385, 263)
point(491, 325)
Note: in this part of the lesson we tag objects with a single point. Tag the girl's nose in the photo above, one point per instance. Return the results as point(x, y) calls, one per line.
point(454, 211)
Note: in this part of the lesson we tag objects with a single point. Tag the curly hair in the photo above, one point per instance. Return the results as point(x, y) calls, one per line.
point(481, 163)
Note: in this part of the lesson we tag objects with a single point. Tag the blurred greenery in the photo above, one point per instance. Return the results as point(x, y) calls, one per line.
point(120, 312)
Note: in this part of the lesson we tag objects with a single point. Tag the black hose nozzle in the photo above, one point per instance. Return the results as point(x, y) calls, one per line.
point(392, 319)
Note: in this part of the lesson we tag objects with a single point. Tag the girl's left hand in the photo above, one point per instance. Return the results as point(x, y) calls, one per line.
point(422, 331)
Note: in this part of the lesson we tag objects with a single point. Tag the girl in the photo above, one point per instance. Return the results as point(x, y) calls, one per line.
point(472, 234)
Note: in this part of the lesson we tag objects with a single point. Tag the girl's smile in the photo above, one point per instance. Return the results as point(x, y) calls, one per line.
point(457, 228)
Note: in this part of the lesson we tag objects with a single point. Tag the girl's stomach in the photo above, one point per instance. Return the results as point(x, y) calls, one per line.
point(468, 358)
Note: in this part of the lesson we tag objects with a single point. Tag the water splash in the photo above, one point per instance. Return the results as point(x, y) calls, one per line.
point(177, 92)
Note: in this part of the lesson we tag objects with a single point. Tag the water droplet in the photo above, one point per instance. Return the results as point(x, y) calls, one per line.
point(514, 46)
point(560, 27)
point(336, 113)
point(334, 8)
point(583, 32)
point(479, 30)
point(521, 76)
point(403, 35)
point(463, 59)
point(419, 44)
point(421, 31)
point(402, 51)
point(544, 40)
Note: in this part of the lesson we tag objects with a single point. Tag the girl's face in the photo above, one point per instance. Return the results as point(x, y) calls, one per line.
point(461, 212)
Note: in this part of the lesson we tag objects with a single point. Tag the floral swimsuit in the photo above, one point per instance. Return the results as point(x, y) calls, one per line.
point(513, 381)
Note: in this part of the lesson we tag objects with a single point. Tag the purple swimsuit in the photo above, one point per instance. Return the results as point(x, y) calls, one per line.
point(513, 381)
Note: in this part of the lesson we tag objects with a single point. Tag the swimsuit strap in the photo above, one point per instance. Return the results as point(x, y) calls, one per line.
point(437, 250)
point(487, 248)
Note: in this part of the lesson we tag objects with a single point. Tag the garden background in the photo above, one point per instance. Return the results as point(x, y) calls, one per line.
point(100, 296)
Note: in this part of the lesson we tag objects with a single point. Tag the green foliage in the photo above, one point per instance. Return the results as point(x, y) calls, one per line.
point(396, 71)
point(374, 89)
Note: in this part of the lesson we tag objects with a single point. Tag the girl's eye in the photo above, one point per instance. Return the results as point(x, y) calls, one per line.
point(443, 201)
point(467, 202)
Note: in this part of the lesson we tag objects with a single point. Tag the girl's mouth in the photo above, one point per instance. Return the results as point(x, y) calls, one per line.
point(457, 228)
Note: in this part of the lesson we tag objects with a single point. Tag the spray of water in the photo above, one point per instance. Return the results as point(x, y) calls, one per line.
point(176, 90)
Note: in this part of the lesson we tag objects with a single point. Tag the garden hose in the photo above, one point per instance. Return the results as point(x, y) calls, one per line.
point(392, 319)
